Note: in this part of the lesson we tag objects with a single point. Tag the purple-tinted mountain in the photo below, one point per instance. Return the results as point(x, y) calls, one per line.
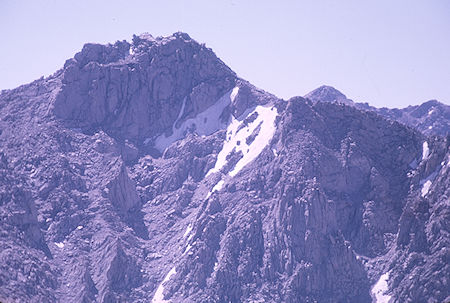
point(150, 172)
point(431, 117)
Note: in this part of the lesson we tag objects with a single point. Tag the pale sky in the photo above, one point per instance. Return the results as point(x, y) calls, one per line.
point(387, 53)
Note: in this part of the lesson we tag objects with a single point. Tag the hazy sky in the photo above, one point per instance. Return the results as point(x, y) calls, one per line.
point(387, 53)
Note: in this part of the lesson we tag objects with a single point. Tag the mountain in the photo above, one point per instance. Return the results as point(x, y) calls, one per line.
point(328, 94)
point(431, 117)
point(150, 172)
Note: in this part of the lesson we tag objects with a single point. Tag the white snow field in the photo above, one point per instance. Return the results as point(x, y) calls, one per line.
point(205, 123)
point(425, 151)
point(159, 296)
point(380, 289)
point(249, 135)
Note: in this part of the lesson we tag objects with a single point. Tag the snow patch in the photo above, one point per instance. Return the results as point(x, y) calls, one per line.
point(426, 187)
point(59, 244)
point(380, 289)
point(234, 93)
point(158, 297)
point(238, 132)
point(266, 117)
point(186, 234)
point(188, 248)
point(427, 182)
point(216, 187)
point(243, 136)
point(205, 123)
point(188, 230)
point(425, 151)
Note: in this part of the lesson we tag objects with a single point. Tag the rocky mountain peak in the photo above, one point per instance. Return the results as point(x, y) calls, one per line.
point(428, 108)
point(431, 117)
point(147, 171)
point(136, 91)
point(145, 41)
point(328, 94)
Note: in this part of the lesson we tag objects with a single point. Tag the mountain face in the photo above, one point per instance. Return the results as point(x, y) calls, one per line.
point(149, 172)
point(431, 117)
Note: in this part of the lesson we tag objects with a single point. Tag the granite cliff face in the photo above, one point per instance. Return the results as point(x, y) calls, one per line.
point(134, 91)
point(149, 172)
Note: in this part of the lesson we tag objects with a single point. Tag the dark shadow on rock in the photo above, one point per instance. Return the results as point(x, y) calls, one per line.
point(135, 220)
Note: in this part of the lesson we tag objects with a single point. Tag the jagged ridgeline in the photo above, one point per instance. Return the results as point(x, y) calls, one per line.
point(150, 172)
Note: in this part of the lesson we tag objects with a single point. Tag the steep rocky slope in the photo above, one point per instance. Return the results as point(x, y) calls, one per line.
point(149, 172)
point(431, 117)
